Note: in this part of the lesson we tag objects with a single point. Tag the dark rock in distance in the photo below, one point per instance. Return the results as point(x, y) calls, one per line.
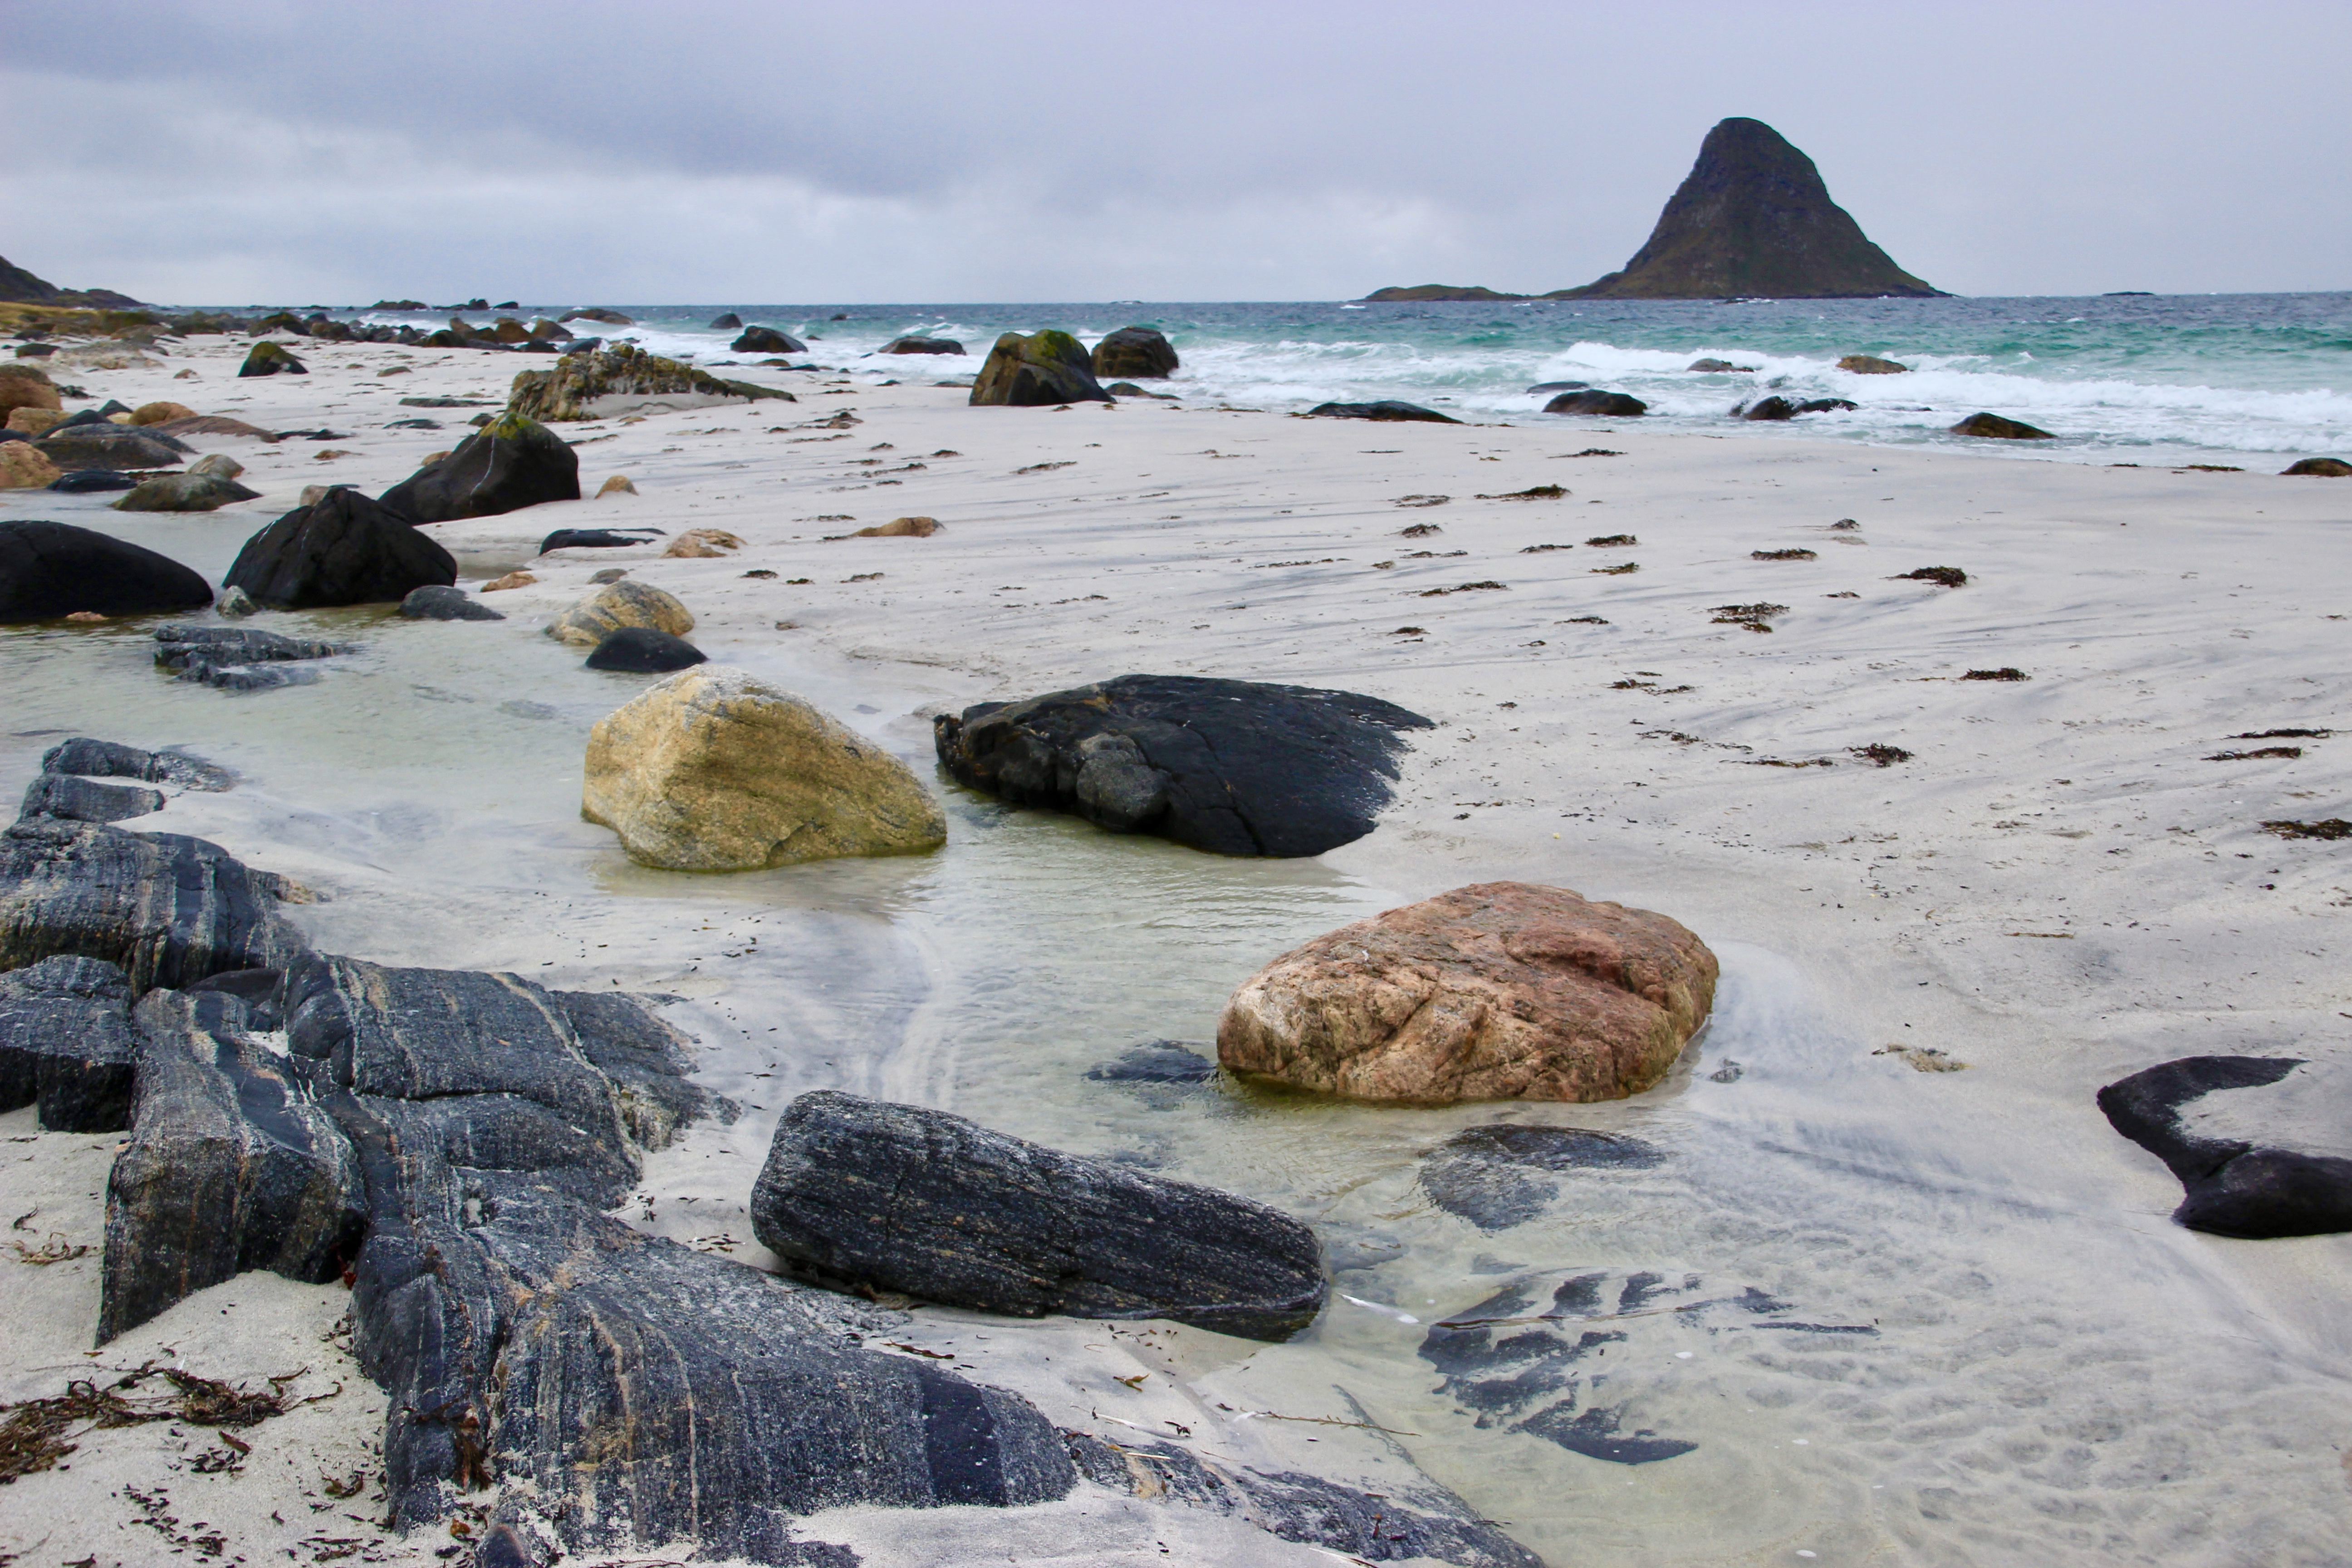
point(1139, 352)
point(1753, 220)
point(71, 799)
point(1496, 1177)
point(596, 538)
point(440, 602)
point(342, 549)
point(2308, 467)
point(1435, 293)
point(1778, 408)
point(1387, 408)
point(48, 570)
point(767, 340)
point(1871, 365)
point(2233, 1185)
point(66, 1044)
point(1234, 767)
point(728, 322)
point(1603, 404)
point(1161, 1061)
point(1994, 428)
point(1037, 371)
point(1541, 387)
point(642, 650)
point(1720, 367)
point(921, 1202)
point(266, 358)
point(112, 760)
point(513, 462)
point(917, 346)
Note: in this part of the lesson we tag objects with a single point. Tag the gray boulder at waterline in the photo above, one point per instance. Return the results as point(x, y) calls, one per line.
point(239, 659)
point(66, 1044)
point(49, 570)
point(918, 1201)
point(1039, 370)
point(87, 800)
point(1593, 401)
point(1387, 410)
point(2263, 1145)
point(641, 650)
point(112, 760)
point(342, 549)
point(442, 601)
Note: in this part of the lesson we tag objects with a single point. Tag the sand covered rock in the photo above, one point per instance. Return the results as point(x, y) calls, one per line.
point(2263, 1145)
point(702, 544)
point(918, 1201)
point(642, 650)
point(1998, 427)
point(66, 1044)
point(513, 462)
point(1497, 991)
point(767, 340)
point(618, 605)
point(53, 569)
point(441, 601)
point(623, 379)
point(185, 492)
point(342, 549)
point(1603, 404)
point(1388, 409)
point(71, 799)
point(23, 468)
point(1139, 353)
point(714, 770)
point(266, 358)
point(1037, 371)
point(1230, 767)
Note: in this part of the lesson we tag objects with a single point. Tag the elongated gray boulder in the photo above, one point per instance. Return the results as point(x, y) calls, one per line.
point(66, 1044)
point(906, 1199)
point(49, 570)
point(226, 656)
point(1039, 370)
point(342, 549)
point(232, 1165)
point(87, 800)
point(112, 760)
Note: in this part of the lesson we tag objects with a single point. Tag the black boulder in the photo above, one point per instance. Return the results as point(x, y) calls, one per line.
point(440, 602)
point(52, 569)
point(1605, 405)
point(1135, 351)
point(645, 651)
point(2235, 1185)
point(728, 322)
point(513, 462)
point(595, 538)
point(92, 481)
point(1387, 408)
point(767, 340)
point(343, 549)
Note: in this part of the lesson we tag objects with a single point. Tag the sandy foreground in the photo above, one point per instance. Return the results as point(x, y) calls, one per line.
point(2057, 886)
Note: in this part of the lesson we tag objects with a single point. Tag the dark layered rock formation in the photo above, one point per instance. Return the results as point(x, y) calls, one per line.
point(238, 659)
point(1234, 767)
point(66, 1044)
point(2265, 1173)
point(342, 549)
point(441, 601)
point(74, 799)
point(906, 1199)
point(513, 462)
point(1753, 220)
point(112, 760)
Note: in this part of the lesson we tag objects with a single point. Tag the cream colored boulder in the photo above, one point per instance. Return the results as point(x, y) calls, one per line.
point(715, 770)
point(219, 463)
point(162, 414)
point(615, 606)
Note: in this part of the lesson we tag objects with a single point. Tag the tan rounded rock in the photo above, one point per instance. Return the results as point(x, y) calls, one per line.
point(624, 603)
point(1497, 991)
point(26, 386)
point(512, 580)
point(219, 463)
point(161, 413)
point(31, 421)
point(714, 770)
point(702, 544)
point(901, 528)
point(23, 468)
point(618, 485)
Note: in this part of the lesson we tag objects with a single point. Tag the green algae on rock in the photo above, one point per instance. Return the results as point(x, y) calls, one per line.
point(612, 381)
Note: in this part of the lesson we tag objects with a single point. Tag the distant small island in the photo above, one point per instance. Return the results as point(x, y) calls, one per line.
point(1753, 220)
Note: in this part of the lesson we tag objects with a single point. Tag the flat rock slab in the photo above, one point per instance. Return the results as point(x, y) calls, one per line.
point(237, 658)
point(74, 799)
point(112, 760)
point(66, 1044)
point(927, 1204)
point(2263, 1145)
point(1234, 767)
point(1497, 1177)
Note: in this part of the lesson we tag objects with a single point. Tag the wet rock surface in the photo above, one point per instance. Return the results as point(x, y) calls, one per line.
point(1234, 767)
point(767, 340)
point(2259, 1143)
point(1141, 352)
point(1499, 1176)
point(445, 601)
point(513, 462)
point(112, 760)
point(342, 549)
point(66, 1044)
point(87, 800)
point(48, 570)
point(240, 658)
point(918, 1201)
point(1599, 403)
point(619, 605)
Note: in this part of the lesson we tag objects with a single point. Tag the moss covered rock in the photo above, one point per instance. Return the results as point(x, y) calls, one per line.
point(271, 359)
point(513, 462)
point(619, 379)
point(1041, 369)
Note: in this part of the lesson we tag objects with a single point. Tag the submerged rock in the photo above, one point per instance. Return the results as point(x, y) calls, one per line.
point(1497, 991)
point(513, 462)
point(644, 651)
point(74, 799)
point(1230, 767)
point(1592, 401)
point(1778, 408)
point(918, 1201)
point(1496, 1177)
point(715, 770)
point(443, 602)
point(618, 605)
point(1042, 369)
point(66, 1044)
point(342, 549)
point(2259, 1142)
point(1994, 428)
point(1387, 408)
point(49, 570)
point(238, 659)
point(1138, 352)
point(594, 383)
point(185, 493)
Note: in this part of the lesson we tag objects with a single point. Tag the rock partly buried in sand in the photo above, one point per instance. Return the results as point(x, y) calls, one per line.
point(238, 659)
point(71, 799)
point(2263, 1145)
point(48, 570)
point(617, 484)
point(266, 358)
point(112, 760)
point(162, 413)
point(231, 1166)
point(342, 549)
point(2318, 469)
point(23, 468)
point(597, 538)
point(66, 1044)
point(219, 463)
point(1499, 1176)
point(922, 346)
point(1137, 351)
point(615, 606)
point(1593, 401)
point(767, 340)
point(622, 379)
point(1128, 389)
point(441, 601)
point(1867, 364)
point(1994, 428)
point(1497, 991)
point(185, 492)
point(513, 462)
point(641, 650)
point(901, 1198)
point(714, 770)
point(901, 528)
point(1386, 409)
point(86, 481)
point(702, 544)
point(1036, 371)
point(214, 425)
point(1230, 767)
point(107, 446)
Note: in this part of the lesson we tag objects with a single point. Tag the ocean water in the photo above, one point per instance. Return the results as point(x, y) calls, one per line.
point(2244, 378)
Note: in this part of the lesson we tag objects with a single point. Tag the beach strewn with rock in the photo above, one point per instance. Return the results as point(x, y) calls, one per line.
point(1153, 983)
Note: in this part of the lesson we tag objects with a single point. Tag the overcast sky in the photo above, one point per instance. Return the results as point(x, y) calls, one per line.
point(902, 151)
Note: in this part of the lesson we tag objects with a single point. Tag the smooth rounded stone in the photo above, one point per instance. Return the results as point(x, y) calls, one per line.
point(903, 1198)
point(342, 549)
point(1037, 371)
point(1541, 387)
point(767, 340)
point(73, 799)
point(110, 759)
point(34, 423)
point(49, 570)
point(1496, 990)
point(66, 1044)
point(215, 424)
point(510, 463)
point(1141, 352)
point(642, 650)
point(617, 605)
point(594, 383)
point(608, 574)
point(1599, 403)
point(2263, 1145)
point(715, 770)
point(163, 413)
point(26, 386)
point(106, 446)
point(185, 492)
point(219, 463)
point(728, 322)
point(2318, 469)
point(1234, 767)
point(23, 467)
point(1386, 409)
point(1765, 408)
point(1996, 427)
point(267, 358)
point(543, 331)
point(917, 346)
point(439, 602)
point(596, 538)
point(1870, 365)
point(1498, 1177)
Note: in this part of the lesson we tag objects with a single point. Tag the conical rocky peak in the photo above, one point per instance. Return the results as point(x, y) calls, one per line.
point(1753, 220)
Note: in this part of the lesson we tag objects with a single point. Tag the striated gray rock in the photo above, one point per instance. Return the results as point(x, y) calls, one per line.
point(918, 1201)
point(1139, 351)
point(112, 760)
point(66, 1044)
point(342, 549)
point(2258, 1143)
point(231, 1166)
point(646, 1060)
point(86, 800)
point(48, 570)
point(180, 647)
point(168, 910)
point(1042, 369)
point(443, 602)
point(1234, 767)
